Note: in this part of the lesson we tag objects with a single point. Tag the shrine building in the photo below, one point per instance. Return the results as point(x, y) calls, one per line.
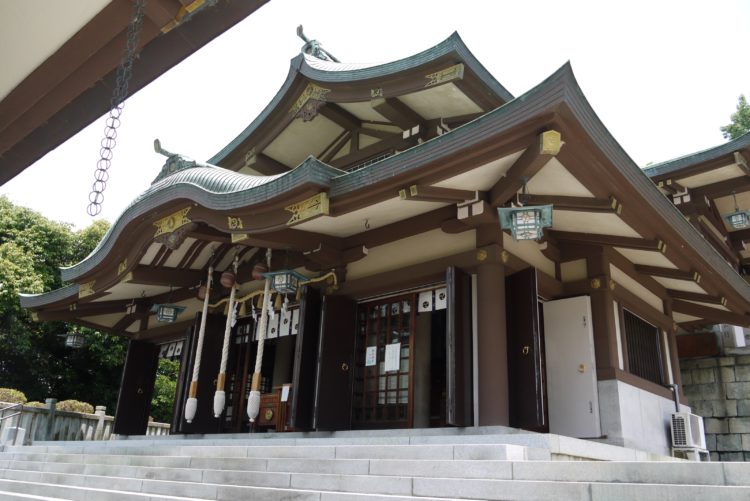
point(439, 253)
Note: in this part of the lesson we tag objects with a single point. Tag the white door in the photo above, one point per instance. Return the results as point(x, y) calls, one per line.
point(572, 395)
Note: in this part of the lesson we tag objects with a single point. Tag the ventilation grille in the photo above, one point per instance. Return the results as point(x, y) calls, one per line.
point(679, 435)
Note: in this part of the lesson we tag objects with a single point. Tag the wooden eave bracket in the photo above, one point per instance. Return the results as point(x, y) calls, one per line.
point(427, 193)
point(741, 162)
point(531, 161)
point(580, 204)
point(671, 187)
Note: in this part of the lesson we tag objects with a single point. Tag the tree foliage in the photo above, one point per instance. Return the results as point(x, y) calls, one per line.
point(164, 390)
point(33, 357)
point(740, 120)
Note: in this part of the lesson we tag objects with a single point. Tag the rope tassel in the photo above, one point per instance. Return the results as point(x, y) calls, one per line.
point(253, 402)
point(191, 406)
point(220, 395)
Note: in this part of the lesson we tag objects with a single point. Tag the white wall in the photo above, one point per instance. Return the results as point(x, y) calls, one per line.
point(635, 418)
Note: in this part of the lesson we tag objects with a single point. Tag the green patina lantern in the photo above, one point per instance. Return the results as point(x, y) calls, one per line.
point(738, 219)
point(167, 312)
point(285, 281)
point(526, 223)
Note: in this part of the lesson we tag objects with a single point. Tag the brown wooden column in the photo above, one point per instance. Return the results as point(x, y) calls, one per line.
point(491, 329)
point(674, 357)
point(603, 313)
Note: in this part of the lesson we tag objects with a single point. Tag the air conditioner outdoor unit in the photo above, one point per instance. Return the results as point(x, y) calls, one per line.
point(687, 431)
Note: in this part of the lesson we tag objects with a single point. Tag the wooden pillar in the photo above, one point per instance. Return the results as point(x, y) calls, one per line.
point(674, 357)
point(492, 357)
point(602, 311)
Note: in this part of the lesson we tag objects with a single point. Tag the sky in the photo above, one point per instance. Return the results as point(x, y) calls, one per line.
point(662, 75)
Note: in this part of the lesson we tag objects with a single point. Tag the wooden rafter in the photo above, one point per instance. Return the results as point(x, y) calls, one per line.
point(694, 296)
point(397, 112)
point(586, 204)
point(340, 117)
point(266, 165)
point(610, 240)
point(708, 313)
point(658, 271)
point(724, 188)
point(427, 193)
point(531, 161)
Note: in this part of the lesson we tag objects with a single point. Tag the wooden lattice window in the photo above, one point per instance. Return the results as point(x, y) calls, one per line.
point(644, 348)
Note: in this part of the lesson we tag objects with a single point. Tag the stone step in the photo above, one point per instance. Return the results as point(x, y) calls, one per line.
point(446, 451)
point(189, 469)
point(338, 487)
point(52, 491)
point(23, 490)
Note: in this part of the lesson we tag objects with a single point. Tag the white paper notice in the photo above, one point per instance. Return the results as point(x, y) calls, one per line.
point(371, 356)
point(392, 357)
point(285, 393)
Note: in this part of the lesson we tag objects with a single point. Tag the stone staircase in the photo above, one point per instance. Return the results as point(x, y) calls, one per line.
point(478, 463)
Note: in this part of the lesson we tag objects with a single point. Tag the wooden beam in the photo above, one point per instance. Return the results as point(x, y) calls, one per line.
point(658, 271)
point(711, 314)
point(291, 239)
point(610, 240)
point(397, 142)
point(266, 165)
point(427, 193)
point(740, 235)
point(340, 116)
point(338, 146)
point(694, 296)
point(397, 112)
point(723, 188)
point(151, 275)
point(584, 204)
point(719, 243)
point(530, 162)
point(671, 186)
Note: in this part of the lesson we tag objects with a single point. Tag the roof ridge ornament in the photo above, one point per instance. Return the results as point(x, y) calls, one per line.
point(314, 48)
point(175, 162)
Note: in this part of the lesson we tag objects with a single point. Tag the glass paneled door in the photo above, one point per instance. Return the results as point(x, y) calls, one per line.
point(383, 382)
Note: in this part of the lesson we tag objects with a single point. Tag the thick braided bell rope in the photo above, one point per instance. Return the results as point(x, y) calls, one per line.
point(228, 326)
point(191, 405)
point(263, 318)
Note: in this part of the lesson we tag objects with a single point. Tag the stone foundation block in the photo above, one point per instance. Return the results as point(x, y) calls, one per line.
point(712, 425)
point(702, 376)
point(742, 372)
point(725, 361)
point(728, 375)
point(731, 456)
point(739, 425)
point(743, 407)
point(737, 390)
point(731, 442)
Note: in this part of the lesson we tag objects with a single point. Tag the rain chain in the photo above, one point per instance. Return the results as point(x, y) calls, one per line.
point(124, 72)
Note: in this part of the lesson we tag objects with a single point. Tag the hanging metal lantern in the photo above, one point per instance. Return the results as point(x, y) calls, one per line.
point(74, 340)
point(167, 312)
point(526, 223)
point(285, 281)
point(738, 219)
point(227, 279)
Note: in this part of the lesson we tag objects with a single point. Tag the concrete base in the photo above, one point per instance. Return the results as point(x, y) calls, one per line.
point(635, 418)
